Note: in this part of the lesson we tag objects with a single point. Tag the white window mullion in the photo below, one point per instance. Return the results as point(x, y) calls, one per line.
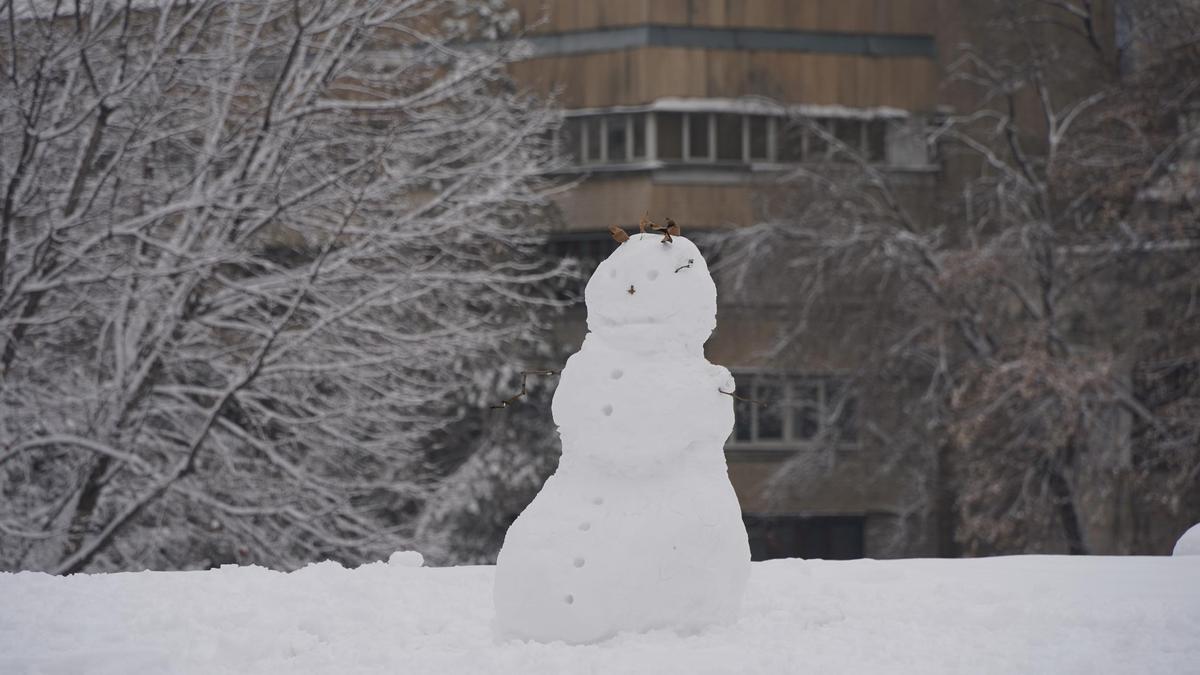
point(687, 136)
point(584, 130)
point(629, 133)
point(603, 155)
point(712, 137)
point(651, 121)
point(746, 139)
point(772, 139)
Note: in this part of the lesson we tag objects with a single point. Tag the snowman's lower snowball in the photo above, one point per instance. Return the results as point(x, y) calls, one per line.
point(1189, 542)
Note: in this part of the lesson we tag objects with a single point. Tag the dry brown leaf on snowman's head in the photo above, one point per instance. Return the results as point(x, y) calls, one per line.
point(645, 222)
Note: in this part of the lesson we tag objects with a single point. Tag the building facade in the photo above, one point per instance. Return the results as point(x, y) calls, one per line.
point(694, 109)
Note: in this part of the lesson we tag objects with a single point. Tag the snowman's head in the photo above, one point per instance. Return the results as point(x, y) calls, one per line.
point(653, 296)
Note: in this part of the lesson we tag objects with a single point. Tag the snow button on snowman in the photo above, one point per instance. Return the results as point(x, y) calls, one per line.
point(639, 528)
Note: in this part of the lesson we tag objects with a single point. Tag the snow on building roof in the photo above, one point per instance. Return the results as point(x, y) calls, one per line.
point(750, 105)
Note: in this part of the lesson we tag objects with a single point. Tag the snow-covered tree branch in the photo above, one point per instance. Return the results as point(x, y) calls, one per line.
point(1038, 325)
point(247, 251)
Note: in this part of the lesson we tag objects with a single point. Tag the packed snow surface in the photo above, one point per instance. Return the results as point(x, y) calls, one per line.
point(1189, 543)
point(639, 527)
point(1029, 614)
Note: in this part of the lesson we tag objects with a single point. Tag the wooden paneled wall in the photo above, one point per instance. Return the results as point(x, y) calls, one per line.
point(849, 16)
point(640, 76)
point(603, 201)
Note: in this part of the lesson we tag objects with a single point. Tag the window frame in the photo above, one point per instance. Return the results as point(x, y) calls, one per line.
point(827, 433)
point(710, 135)
point(595, 125)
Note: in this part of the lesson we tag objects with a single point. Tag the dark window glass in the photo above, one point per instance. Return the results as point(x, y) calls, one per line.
point(617, 133)
point(758, 136)
point(846, 421)
point(743, 412)
point(828, 538)
point(568, 139)
point(791, 142)
point(591, 132)
point(797, 409)
point(841, 410)
point(670, 135)
point(845, 539)
point(770, 417)
point(771, 538)
point(806, 415)
point(849, 132)
point(818, 147)
point(729, 137)
point(698, 136)
point(639, 135)
point(546, 138)
point(876, 140)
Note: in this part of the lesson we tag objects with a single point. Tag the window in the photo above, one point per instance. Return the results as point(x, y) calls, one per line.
point(639, 135)
point(792, 143)
point(789, 410)
point(805, 410)
point(570, 139)
point(759, 136)
point(611, 139)
point(591, 139)
point(827, 537)
point(876, 150)
point(849, 133)
point(718, 137)
point(817, 147)
point(841, 409)
point(729, 138)
point(697, 136)
point(617, 134)
point(670, 136)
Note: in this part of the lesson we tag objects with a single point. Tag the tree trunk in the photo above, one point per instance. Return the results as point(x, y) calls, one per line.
point(1067, 513)
point(88, 499)
point(945, 504)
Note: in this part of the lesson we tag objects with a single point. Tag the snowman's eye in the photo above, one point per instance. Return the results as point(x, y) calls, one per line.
point(684, 266)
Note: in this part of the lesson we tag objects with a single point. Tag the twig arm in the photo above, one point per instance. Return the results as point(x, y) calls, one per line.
point(742, 398)
point(524, 391)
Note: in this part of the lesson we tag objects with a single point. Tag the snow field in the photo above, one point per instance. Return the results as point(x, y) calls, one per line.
point(1027, 614)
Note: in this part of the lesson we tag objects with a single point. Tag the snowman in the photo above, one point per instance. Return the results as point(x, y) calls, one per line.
point(639, 528)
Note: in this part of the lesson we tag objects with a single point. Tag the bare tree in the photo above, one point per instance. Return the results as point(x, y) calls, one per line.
point(1037, 320)
point(504, 455)
point(248, 250)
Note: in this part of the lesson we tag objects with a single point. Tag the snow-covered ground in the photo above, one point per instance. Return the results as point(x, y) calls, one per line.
point(1028, 614)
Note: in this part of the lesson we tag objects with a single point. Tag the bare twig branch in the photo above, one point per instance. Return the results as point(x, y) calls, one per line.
point(524, 391)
